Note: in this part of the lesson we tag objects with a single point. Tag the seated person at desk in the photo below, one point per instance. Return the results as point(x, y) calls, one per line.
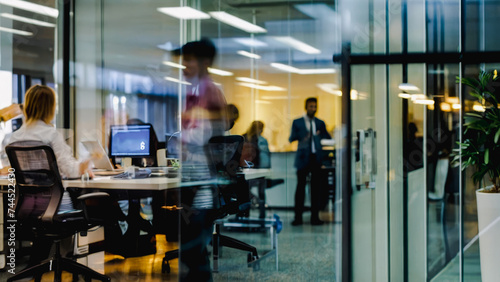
point(39, 110)
point(255, 148)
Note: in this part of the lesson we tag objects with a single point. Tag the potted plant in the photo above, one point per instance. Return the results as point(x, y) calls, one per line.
point(480, 149)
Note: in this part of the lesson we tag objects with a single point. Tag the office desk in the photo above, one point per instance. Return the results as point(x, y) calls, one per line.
point(148, 184)
point(152, 184)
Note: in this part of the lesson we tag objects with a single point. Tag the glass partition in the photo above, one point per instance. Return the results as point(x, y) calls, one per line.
point(126, 68)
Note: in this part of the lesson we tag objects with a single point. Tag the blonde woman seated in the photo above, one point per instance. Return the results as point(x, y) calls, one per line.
point(39, 111)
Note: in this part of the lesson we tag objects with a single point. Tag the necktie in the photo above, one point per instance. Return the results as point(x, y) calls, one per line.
point(311, 137)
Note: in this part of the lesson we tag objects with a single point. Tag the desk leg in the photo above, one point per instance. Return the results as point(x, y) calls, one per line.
point(261, 182)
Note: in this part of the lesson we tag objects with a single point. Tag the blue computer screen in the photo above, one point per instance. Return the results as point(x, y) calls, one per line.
point(130, 141)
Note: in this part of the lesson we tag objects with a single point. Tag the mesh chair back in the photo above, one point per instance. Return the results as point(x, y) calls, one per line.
point(225, 153)
point(38, 182)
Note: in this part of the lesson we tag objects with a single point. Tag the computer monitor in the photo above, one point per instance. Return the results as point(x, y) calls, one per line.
point(132, 141)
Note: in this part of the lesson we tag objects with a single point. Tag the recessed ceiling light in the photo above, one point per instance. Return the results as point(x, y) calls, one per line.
point(248, 54)
point(250, 42)
point(27, 20)
point(250, 80)
point(237, 22)
point(35, 8)
point(184, 13)
point(297, 44)
point(174, 65)
point(220, 72)
point(177, 80)
point(16, 31)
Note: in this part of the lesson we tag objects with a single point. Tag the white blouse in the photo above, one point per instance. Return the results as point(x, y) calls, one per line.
point(47, 133)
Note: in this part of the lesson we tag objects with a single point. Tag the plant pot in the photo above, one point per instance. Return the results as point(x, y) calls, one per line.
point(488, 214)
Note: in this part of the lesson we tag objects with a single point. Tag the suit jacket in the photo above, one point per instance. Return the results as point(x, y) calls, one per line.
point(300, 132)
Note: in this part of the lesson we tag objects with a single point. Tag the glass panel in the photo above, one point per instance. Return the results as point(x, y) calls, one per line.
point(369, 200)
point(414, 157)
point(366, 29)
point(27, 49)
point(126, 70)
point(443, 221)
point(443, 26)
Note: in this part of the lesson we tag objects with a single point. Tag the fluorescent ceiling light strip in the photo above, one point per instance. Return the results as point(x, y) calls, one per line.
point(408, 87)
point(250, 80)
point(220, 72)
point(418, 97)
point(456, 106)
point(301, 71)
point(262, 102)
point(177, 80)
point(183, 13)
point(285, 67)
point(262, 87)
point(404, 95)
point(35, 8)
point(174, 65)
point(250, 42)
point(297, 44)
point(316, 71)
point(424, 102)
point(237, 22)
point(27, 20)
point(248, 54)
point(16, 31)
point(278, 97)
point(330, 88)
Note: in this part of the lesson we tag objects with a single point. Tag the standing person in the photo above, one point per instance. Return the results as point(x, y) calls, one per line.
point(204, 116)
point(309, 131)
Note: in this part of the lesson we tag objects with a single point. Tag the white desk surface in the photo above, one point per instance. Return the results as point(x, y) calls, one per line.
point(150, 183)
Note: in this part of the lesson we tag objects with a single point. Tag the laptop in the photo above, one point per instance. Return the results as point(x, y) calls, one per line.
point(102, 164)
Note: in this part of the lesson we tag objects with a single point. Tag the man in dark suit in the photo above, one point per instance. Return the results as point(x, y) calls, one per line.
point(309, 131)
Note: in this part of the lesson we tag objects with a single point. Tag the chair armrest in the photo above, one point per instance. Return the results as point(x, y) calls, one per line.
point(92, 195)
point(84, 202)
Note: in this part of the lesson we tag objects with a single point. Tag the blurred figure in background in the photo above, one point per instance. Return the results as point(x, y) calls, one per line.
point(256, 147)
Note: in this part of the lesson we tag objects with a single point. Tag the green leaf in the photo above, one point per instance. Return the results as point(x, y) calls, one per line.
point(486, 156)
point(497, 135)
point(474, 115)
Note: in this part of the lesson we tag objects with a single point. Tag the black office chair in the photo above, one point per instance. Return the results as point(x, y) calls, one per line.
point(224, 153)
point(39, 192)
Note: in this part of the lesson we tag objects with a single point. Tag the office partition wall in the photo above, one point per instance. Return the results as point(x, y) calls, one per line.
point(124, 69)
